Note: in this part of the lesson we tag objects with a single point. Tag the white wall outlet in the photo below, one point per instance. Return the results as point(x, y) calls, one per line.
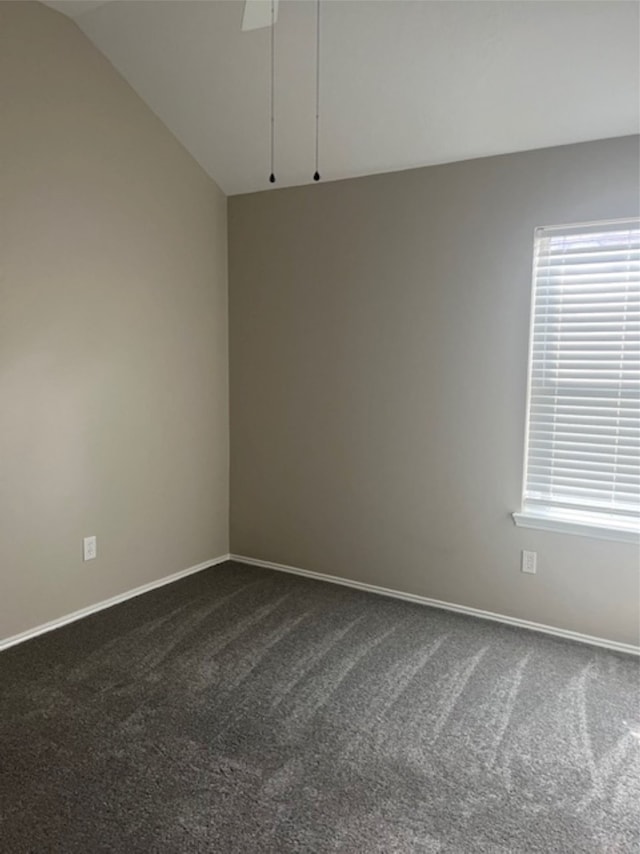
point(529, 562)
point(90, 546)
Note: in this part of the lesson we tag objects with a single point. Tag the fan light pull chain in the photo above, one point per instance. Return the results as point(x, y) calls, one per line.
point(316, 174)
point(272, 176)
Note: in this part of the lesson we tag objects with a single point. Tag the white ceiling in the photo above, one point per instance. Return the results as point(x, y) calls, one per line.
point(403, 84)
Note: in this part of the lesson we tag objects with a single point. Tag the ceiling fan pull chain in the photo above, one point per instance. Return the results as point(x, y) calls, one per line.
point(316, 175)
point(272, 176)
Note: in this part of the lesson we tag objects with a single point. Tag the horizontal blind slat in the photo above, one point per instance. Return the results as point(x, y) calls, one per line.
point(582, 458)
point(540, 444)
point(591, 397)
point(592, 467)
point(603, 477)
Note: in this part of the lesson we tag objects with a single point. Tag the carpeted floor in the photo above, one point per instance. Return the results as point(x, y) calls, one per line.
point(242, 710)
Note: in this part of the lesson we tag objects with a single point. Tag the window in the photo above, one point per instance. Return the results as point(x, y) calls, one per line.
point(582, 457)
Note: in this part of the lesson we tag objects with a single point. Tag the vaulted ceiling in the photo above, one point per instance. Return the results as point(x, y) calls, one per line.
point(403, 84)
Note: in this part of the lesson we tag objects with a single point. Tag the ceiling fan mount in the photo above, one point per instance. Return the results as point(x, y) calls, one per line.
point(258, 14)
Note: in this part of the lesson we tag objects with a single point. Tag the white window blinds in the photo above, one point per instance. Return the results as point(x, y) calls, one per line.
point(583, 440)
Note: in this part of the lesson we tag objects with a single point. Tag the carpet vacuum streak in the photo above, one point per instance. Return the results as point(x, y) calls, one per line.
point(243, 710)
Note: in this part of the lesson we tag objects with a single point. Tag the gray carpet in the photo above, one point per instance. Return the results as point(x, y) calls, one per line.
point(242, 710)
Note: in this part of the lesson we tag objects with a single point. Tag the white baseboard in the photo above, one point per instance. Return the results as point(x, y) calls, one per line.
point(107, 603)
point(446, 606)
point(319, 576)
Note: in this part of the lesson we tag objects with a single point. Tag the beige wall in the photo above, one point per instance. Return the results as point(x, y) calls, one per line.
point(379, 332)
point(113, 332)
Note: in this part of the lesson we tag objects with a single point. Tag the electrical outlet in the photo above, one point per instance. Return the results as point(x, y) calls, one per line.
point(90, 548)
point(529, 562)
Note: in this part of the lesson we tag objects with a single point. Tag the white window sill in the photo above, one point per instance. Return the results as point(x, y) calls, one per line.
point(545, 522)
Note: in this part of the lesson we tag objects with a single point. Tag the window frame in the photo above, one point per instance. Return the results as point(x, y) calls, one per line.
point(586, 523)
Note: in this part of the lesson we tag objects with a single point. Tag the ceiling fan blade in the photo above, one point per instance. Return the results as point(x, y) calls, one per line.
point(257, 14)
